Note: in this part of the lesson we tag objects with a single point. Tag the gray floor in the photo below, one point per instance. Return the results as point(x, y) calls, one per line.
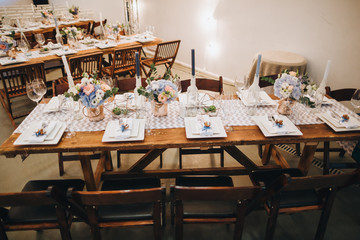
point(344, 221)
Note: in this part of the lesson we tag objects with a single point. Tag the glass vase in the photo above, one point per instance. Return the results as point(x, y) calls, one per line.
point(159, 109)
point(94, 114)
point(285, 106)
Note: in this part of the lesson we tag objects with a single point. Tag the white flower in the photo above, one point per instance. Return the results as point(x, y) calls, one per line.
point(155, 86)
point(100, 93)
point(78, 86)
point(84, 81)
point(94, 101)
point(73, 90)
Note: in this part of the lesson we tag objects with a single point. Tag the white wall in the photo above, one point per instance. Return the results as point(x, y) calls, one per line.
point(14, 2)
point(227, 33)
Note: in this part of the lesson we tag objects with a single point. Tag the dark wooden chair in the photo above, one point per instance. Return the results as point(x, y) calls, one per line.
point(165, 54)
point(211, 200)
point(34, 209)
point(85, 26)
point(14, 81)
point(95, 25)
point(208, 85)
point(301, 193)
point(121, 203)
point(339, 95)
point(123, 62)
point(90, 63)
point(128, 85)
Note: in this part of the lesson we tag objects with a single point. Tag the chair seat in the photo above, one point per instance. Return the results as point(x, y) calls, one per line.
point(213, 181)
point(141, 183)
point(302, 198)
point(38, 185)
point(127, 212)
point(150, 61)
point(209, 209)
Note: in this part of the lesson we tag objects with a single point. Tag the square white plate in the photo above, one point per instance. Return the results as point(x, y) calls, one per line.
point(219, 131)
point(265, 99)
point(335, 128)
point(7, 61)
point(266, 133)
point(63, 52)
point(54, 136)
point(103, 45)
point(137, 133)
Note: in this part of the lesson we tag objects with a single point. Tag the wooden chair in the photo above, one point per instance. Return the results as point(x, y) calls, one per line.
point(121, 203)
point(89, 63)
point(199, 202)
point(123, 62)
point(34, 209)
point(85, 26)
point(301, 193)
point(208, 85)
point(128, 85)
point(339, 95)
point(14, 81)
point(165, 54)
point(95, 25)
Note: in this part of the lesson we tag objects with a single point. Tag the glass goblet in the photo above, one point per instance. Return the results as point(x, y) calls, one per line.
point(67, 113)
point(31, 93)
point(23, 46)
point(40, 39)
point(355, 99)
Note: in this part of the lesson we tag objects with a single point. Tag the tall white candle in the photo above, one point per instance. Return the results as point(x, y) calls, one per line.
point(100, 18)
point(67, 4)
point(326, 74)
point(67, 69)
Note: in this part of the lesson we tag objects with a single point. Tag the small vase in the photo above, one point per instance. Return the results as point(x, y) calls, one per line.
point(94, 114)
point(11, 53)
point(285, 106)
point(159, 109)
point(76, 17)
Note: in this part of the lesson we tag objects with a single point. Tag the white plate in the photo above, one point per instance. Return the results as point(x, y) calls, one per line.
point(8, 61)
point(219, 131)
point(63, 52)
point(327, 101)
point(266, 133)
point(53, 138)
point(335, 128)
point(103, 45)
point(140, 130)
point(144, 40)
point(265, 99)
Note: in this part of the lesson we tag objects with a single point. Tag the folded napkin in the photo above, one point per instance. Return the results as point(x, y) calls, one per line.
point(202, 126)
point(119, 130)
point(338, 121)
point(264, 98)
point(47, 131)
point(52, 105)
point(271, 127)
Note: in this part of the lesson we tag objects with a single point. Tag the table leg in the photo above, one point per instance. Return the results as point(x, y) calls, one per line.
point(307, 156)
point(240, 157)
point(279, 159)
point(87, 171)
point(267, 154)
point(146, 160)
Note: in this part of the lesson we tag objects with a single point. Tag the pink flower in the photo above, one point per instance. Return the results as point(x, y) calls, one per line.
point(105, 87)
point(88, 89)
point(168, 89)
point(292, 73)
point(162, 98)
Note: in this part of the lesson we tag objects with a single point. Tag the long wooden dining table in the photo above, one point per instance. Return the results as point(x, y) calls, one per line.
point(87, 143)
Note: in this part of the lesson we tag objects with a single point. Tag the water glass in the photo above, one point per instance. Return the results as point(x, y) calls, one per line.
point(36, 89)
point(23, 46)
point(67, 112)
point(226, 103)
point(40, 39)
point(355, 99)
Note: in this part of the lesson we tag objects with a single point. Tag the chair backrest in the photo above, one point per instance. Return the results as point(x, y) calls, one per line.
point(96, 24)
point(59, 86)
point(204, 84)
point(49, 34)
point(128, 84)
point(14, 79)
point(89, 63)
point(166, 51)
point(85, 26)
point(124, 59)
point(343, 94)
point(34, 198)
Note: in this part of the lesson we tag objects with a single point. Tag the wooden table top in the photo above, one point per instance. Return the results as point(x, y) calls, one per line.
point(176, 137)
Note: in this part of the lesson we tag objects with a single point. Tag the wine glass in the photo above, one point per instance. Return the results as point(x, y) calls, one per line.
point(239, 84)
point(67, 113)
point(36, 89)
point(149, 119)
point(227, 108)
point(40, 39)
point(177, 83)
point(355, 99)
point(23, 46)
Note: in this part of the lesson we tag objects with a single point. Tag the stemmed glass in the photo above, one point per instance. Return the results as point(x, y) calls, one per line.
point(149, 119)
point(177, 83)
point(241, 84)
point(36, 90)
point(67, 112)
point(355, 99)
point(40, 39)
point(226, 106)
point(23, 46)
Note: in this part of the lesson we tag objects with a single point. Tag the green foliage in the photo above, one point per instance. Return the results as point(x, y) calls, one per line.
point(268, 79)
point(211, 108)
point(76, 97)
point(119, 111)
point(307, 102)
point(110, 93)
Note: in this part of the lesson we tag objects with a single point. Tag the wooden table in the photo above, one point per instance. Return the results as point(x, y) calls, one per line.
point(86, 143)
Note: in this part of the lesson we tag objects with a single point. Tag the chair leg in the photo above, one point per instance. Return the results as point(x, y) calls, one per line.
point(240, 219)
point(298, 150)
point(179, 220)
point(325, 214)
point(260, 150)
point(61, 164)
point(271, 223)
point(326, 161)
point(157, 221)
point(180, 158)
point(95, 231)
point(161, 160)
point(222, 163)
point(118, 159)
point(2, 232)
point(342, 153)
point(63, 223)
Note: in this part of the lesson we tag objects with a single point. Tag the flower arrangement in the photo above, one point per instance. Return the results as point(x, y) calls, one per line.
point(91, 91)
point(159, 90)
point(287, 86)
point(75, 32)
point(115, 28)
point(74, 10)
point(6, 42)
point(46, 14)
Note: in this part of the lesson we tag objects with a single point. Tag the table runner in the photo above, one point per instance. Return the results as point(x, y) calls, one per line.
point(301, 116)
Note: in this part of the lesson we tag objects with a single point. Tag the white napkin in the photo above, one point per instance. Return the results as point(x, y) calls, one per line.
point(117, 131)
point(52, 105)
point(350, 124)
point(265, 99)
point(48, 129)
point(273, 128)
point(199, 128)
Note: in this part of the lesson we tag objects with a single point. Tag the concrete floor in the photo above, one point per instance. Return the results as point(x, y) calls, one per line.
point(344, 222)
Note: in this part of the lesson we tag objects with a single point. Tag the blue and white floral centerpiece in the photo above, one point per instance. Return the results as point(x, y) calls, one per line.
point(288, 89)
